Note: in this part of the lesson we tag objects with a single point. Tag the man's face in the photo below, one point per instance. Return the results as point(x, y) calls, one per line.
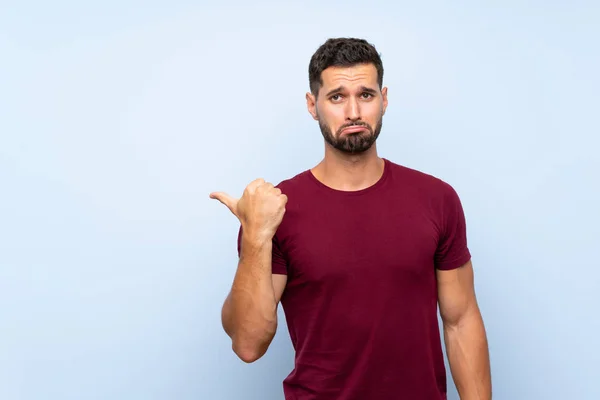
point(349, 107)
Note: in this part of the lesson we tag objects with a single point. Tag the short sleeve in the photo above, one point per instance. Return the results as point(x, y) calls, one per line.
point(279, 264)
point(452, 251)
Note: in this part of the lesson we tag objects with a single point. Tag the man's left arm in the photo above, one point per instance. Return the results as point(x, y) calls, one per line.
point(464, 333)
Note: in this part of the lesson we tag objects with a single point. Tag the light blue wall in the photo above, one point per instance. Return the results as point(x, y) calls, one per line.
point(117, 120)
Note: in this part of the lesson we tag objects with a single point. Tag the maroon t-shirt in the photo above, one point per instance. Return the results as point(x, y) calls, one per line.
point(361, 295)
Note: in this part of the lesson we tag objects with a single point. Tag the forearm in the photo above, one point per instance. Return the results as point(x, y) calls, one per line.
point(250, 311)
point(468, 356)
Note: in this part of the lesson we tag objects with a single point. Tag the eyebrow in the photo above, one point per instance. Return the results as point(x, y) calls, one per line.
point(342, 88)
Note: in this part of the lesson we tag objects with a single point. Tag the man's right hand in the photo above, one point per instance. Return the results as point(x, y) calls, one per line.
point(259, 210)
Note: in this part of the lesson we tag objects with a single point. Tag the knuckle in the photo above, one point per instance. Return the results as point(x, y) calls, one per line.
point(265, 188)
point(256, 183)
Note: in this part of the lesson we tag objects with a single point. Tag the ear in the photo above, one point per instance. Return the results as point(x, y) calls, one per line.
point(311, 104)
point(385, 99)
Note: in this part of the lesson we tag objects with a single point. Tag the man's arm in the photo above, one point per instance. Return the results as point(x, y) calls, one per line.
point(249, 313)
point(464, 333)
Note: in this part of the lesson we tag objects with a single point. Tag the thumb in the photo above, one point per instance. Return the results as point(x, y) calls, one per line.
point(226, 199)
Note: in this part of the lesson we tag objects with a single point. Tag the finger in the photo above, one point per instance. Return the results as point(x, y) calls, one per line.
point(255, 183)
point(225, 199)
point(266, 187)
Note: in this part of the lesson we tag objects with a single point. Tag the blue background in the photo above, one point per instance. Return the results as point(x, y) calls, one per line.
point(118, 118)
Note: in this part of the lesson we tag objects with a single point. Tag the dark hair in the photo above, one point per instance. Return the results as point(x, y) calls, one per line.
point(342, 52)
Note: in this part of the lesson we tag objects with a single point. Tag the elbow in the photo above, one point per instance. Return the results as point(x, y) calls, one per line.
point(250, 349)
point(467, 321)
point(452, 324)
point(249, 352)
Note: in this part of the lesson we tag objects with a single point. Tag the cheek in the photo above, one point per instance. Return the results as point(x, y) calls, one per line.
point(337, 117)
point(373, 112)
point(331, 116)
point(374, 109)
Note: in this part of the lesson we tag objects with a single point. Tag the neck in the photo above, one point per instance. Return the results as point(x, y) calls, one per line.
point(349, 172)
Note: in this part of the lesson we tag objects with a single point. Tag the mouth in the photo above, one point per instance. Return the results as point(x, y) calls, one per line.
point(353, 129)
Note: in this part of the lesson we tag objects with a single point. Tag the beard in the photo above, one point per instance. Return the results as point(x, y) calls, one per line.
point(353, 143)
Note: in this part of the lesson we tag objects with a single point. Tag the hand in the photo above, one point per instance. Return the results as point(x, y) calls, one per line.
point(259, 210)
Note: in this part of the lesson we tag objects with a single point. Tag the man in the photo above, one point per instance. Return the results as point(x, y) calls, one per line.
point(360, 251)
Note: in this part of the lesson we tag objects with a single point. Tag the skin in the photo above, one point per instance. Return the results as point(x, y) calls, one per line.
point(358, 100)
point(349, 97)
point(464, 333)
point(249, 313)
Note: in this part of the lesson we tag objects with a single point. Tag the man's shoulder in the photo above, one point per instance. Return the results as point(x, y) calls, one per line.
point(294, 182)
point(419, 179)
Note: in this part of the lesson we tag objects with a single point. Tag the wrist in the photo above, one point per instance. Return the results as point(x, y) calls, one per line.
point(255, 239)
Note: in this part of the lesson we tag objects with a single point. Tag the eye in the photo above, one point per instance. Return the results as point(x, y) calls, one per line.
point(366, 95)
point(335, 97)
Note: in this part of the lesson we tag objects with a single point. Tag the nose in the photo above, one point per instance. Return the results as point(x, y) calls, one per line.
point(353, 110)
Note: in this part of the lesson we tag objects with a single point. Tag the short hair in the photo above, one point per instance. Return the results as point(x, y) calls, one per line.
point(342, 52)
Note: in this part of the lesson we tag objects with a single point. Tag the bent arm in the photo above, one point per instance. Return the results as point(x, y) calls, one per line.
point(464, 334)
point(249, 313)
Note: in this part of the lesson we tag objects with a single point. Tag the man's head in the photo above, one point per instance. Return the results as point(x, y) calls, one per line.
point(347, 96)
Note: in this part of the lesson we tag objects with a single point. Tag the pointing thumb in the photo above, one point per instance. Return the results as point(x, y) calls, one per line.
point(226, 199)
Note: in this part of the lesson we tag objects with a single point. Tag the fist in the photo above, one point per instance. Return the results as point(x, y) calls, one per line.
point(259, 210)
